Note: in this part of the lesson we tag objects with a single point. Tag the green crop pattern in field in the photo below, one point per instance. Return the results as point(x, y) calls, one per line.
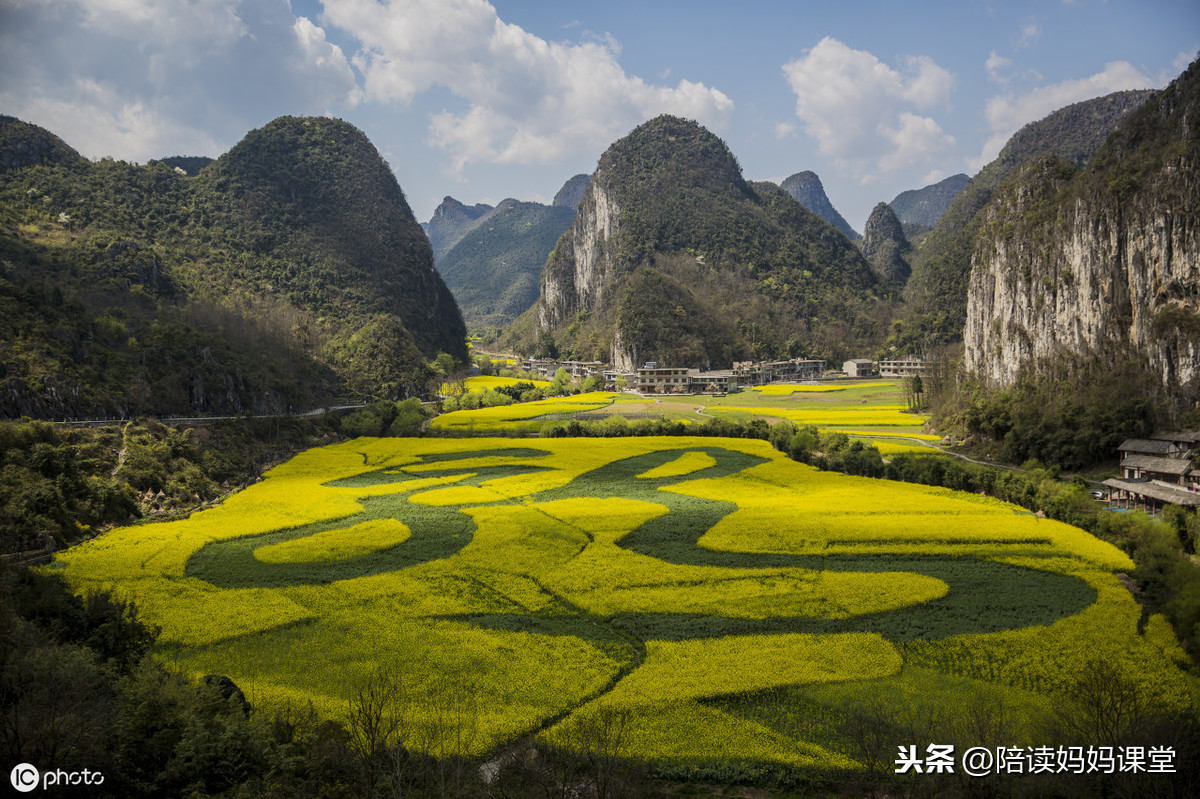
point(715, 591)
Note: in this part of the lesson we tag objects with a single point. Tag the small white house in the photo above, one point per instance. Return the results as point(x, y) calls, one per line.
point(859, 367)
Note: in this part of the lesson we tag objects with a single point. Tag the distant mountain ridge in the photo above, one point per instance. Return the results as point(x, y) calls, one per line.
point(885, 245)
point(290, 271)
point(924, 207)
point(450, 222)
point(491, 257)
point(494, 269)
point(807, 190)
point(572, 192)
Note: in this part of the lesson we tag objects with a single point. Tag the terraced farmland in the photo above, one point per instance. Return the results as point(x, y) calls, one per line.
point(723, 598)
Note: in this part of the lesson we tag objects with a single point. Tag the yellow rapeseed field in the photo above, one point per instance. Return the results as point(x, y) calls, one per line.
point(690, 583)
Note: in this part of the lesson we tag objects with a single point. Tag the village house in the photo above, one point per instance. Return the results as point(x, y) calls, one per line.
point(903, 367)
point(759, 373)
point(859, 367)
point(655, 379)
point(721, 381)
point(1157, 471)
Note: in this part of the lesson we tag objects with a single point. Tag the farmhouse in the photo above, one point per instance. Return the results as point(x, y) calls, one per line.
point(758, 373)
point(721, 381)
point(903, 367)
point(859, 367)
point(1158, 471)
point(655, 379)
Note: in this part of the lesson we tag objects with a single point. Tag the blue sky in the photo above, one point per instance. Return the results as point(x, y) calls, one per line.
point(484, 101)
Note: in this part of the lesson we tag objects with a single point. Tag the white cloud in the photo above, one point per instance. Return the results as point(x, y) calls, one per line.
point(326, 60)
point(142, 79)
point(529, 100)
point(1007, 113)
point(860, 110)
point(190, 30)
point(930, 86)
point(784, 130)
point(1030, 33)
point(994, 65)
point(917, 140)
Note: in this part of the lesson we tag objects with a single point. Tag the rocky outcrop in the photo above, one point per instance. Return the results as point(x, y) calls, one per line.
point(924, 207)
point(807, 190)
point(1102, 265)
point(674, 257)
point(450, 222)
point(571, 192)
point(885, 246)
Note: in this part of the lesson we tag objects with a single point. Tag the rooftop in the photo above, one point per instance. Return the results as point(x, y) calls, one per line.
point(1146, 446)
point(1175, 496)
point(1163, 465)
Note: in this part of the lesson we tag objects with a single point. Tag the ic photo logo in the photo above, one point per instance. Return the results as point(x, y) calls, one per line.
point(25, 777)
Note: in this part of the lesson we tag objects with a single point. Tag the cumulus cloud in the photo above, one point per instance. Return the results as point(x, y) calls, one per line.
point(861, 111)
point(142, 79)
point(528, 100)
point(1007, 113)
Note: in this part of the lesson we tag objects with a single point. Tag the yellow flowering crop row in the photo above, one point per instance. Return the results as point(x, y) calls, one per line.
point(679, 670)
point(516, 417)
point(891, 432)
point(482, 383)
point(337, 544)
point(881, 415)
point(685, 464)
point(692, 733)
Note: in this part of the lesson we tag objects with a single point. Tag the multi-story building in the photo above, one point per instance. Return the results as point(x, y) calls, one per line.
point(758, 373)
point(721, 381)
point(655, 379)
point(903, 367)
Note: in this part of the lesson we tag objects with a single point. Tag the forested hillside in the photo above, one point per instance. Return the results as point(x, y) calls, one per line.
point(493, 270)
point(288, 272)
point(673, 255)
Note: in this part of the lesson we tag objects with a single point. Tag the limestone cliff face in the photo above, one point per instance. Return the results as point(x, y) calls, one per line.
point(582, 264)
point(1102, 265)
